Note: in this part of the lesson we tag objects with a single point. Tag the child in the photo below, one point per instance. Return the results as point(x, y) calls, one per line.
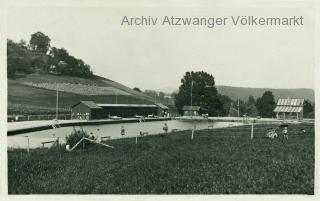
point(285, 133)
point(165, 128)
point(123, 131)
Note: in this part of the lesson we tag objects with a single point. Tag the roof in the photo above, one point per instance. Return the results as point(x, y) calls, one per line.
point(162, 106)
point(289, 105)
point(287, 109)
point(290, 102)
point(191, 108)
point(90, 104)
point(125, 105)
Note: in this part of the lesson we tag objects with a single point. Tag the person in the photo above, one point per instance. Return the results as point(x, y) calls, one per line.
point(165, 128)
point(122, 131)
point(302, 131)
point(285, 133)
point(91, 136)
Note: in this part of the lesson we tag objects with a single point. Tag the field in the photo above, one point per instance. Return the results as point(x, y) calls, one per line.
point(82, 89)
point(219, 161)
point(40, 98)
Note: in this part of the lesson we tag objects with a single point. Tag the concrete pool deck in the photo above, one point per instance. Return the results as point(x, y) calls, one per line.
point(15, 128)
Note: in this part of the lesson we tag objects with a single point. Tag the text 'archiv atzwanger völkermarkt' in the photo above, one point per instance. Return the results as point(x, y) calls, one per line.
point(211, 22)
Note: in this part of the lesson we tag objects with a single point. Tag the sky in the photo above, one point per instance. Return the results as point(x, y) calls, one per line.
point(155, 57)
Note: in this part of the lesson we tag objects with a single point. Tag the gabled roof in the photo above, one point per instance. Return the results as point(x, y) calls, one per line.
point(287, 109)
point(89, 104)
point(289, 105)
point(162, 106)
point(290, 102)
point(125, 105)
point(93, 105)
point(191, 108)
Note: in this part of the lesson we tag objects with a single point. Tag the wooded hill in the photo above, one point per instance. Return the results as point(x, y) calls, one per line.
point(243, 93)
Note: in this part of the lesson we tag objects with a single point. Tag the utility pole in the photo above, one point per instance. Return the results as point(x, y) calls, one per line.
point(192, 111)
point(238, 108)
point(191, 93)
point(116, 98)
point(57, 101)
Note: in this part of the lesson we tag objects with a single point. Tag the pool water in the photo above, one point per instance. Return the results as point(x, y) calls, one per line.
point(112, 130)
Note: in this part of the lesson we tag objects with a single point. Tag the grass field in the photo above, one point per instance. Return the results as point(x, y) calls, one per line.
point(219, 161)
point(26, 99)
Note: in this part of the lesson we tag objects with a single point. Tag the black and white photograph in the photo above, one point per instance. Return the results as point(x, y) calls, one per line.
point(153, 99)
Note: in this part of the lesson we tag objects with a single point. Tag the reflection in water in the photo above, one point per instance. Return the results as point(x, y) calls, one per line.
point(112, 130)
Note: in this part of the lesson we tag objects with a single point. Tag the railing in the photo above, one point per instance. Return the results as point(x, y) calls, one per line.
point(12, 118)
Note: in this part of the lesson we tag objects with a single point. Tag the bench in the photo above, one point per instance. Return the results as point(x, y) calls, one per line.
point(143, 133)
point(105, 138)
point(49, 142)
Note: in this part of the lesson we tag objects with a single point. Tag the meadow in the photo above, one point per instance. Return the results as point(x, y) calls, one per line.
point(83, 89)
point(217, 161)
point(36, 93)
point(24, 99)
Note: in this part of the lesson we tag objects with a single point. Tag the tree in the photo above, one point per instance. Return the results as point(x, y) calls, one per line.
point(204, 94)
point(17, 58)
point(226, 104)
point(251, 101)
point(266, 104)
point(250, 107)
point(69, 65)
point(152, 94)
point(137, 89)
point(308, 109)
point(40, 42)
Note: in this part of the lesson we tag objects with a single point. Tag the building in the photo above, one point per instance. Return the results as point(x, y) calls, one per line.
point(162, 109)
point(289, 109)
point(89, 110)
point(192, 110)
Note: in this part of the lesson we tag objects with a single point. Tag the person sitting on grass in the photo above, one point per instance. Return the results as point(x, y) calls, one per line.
point(272, 134)
point(302, 131)
point(92, 137)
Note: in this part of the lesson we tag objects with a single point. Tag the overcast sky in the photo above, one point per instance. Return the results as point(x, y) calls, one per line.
point(156, 57)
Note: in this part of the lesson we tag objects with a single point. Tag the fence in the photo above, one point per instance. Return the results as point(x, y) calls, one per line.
point(39, 117)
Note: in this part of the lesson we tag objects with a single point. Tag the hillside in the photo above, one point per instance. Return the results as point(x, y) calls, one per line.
point(36, 93)
point(244, 93)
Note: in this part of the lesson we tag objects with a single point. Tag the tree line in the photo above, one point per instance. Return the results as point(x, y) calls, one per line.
point(39, 56)
point(205, 95)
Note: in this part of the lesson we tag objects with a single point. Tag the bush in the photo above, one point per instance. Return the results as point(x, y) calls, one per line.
point(76, 136)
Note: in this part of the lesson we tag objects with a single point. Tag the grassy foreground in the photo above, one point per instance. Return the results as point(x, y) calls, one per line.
point(220, 161)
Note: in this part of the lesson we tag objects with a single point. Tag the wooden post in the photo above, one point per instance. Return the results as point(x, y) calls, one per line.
point(28, 149)
point(193, 130)
point(251, 131)
point(57, 141)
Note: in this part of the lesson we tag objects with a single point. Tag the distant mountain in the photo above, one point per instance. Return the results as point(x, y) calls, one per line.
point(244, 93)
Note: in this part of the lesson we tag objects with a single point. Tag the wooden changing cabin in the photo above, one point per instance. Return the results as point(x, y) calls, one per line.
point(287, 109)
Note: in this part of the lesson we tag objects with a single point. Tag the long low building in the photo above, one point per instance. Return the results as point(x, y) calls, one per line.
point(289, 109)
point(90, 110)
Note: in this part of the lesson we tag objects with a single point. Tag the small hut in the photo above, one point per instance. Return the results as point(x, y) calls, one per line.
point(192, 110)
point(289, 109)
